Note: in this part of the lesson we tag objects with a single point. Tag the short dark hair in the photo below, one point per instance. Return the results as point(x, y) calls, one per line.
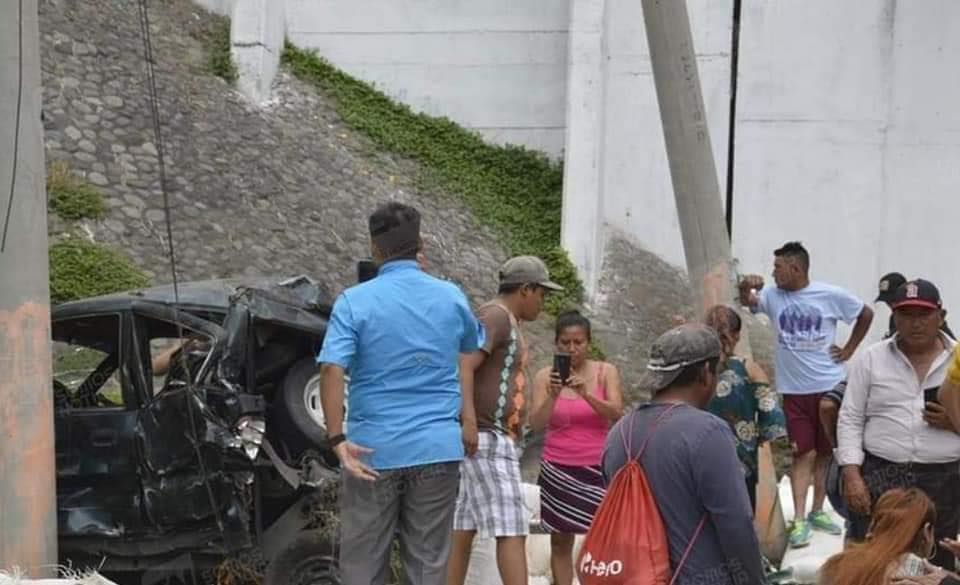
point(510, 288)
point(392, 215)
point(690, 373)
point(794, 250)
point(720, 317)
point(572, 318)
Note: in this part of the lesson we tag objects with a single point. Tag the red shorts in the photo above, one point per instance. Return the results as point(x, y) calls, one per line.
point(803, 423)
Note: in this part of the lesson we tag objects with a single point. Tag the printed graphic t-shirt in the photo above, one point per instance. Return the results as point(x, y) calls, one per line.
point(499, 382)
point(806, 324)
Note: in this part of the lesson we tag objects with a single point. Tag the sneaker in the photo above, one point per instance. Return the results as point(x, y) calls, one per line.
point(821, 521)
point(800, 534)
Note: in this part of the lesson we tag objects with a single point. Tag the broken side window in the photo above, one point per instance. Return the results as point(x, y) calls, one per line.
point(86, 363)
point(176, 353)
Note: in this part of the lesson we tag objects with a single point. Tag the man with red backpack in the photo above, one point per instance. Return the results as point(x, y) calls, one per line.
point(688, 493)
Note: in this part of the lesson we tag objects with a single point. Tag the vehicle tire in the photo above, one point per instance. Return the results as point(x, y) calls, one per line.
point(310, 559)
point(297, 427)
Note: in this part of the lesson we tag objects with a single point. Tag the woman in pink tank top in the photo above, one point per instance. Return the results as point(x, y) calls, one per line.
point(576, 415)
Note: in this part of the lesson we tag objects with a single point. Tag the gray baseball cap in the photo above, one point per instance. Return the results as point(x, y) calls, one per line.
point(678, 348)
point(527, 270)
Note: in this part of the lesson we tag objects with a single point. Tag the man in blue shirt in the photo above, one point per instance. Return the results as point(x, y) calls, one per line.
point(400, 336)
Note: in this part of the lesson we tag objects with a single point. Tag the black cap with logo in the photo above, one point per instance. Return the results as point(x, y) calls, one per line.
point(917, 293)
point(888, 286)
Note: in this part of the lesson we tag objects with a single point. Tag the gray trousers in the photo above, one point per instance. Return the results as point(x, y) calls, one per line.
point(414, 503)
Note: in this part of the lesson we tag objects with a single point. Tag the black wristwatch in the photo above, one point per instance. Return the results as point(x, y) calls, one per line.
point(336, 440)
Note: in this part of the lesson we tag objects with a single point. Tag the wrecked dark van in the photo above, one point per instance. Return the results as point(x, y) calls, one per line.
point(189, 430)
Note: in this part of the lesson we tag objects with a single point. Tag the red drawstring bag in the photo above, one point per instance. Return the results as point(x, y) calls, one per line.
point(626, 543)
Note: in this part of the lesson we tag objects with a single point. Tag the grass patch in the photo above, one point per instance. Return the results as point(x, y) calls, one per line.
point(216, 40)
point(515, 191)
point(70, 196)
point(80, 268)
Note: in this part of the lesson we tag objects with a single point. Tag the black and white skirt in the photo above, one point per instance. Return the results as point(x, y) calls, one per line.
point(569, 497)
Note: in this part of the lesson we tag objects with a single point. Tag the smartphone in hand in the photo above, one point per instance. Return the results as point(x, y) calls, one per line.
point(561, 365)
point(930, 395)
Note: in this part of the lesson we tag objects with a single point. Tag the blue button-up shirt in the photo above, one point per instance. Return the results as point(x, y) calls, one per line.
point(399, 336)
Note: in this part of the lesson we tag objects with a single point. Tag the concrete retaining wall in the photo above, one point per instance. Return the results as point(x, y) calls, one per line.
point(846, 132)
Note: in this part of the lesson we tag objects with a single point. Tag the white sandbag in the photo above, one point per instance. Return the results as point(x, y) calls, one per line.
point(15, 577)
point(8, 580)
point(483, 563)
point(805, 571)
point(538, 555)
point(531, 499)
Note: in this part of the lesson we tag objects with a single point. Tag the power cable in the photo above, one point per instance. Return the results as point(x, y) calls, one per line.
point(16, 130)
point(161, 166)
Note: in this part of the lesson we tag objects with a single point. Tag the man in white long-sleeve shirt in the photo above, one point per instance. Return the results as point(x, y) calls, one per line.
point(892, 432)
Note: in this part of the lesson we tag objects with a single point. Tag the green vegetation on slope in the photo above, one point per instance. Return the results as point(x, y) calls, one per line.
point(217, 41)
point(516, 191)
point(80, 268)
point(70, 196)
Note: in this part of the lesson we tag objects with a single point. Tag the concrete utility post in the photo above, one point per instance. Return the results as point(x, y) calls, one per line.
point(692, 168)
point(28, 521)
point(702, 221)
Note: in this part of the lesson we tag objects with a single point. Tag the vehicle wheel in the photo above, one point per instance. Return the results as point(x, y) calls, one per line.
point(309, 560)
point(301, 422)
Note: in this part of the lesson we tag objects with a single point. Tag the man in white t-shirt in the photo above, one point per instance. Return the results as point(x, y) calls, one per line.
point(808, 364)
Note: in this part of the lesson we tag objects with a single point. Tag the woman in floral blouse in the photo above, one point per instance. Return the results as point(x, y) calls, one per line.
point(744, 398)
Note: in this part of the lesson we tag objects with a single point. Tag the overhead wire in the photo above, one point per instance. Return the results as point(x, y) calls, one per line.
point(171, 249)
point(16, 131)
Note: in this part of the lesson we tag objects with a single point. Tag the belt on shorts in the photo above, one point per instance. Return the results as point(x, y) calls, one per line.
point(916, 466)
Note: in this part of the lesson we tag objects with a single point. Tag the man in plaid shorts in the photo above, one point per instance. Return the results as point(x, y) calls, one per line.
point(490, 501)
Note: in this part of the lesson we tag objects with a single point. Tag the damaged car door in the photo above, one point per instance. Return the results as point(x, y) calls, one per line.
point(190, 476)
point(96, 409)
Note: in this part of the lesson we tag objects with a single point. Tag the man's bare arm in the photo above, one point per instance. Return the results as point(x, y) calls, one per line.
point(332, 383)
point(860, 330)
point(469, 362)
point(332, 379)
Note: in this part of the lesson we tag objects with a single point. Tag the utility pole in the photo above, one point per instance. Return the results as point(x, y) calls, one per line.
point(706, 243)
point(28, 521)
point(692, 168)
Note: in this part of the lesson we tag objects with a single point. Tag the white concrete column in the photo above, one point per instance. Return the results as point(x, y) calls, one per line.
point(582, 218)
point(256, 34)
